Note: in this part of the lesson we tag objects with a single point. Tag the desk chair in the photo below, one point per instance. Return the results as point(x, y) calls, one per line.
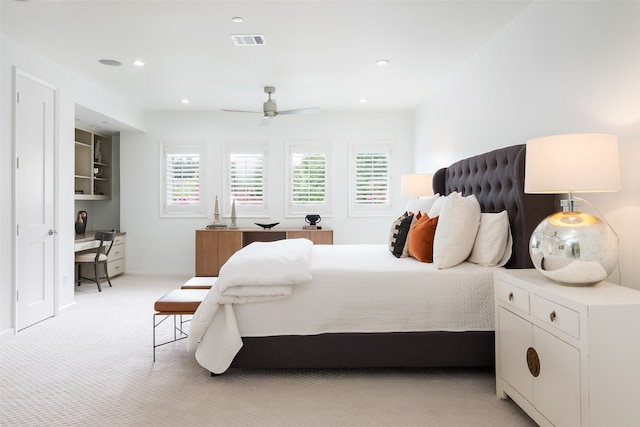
point(100, 256)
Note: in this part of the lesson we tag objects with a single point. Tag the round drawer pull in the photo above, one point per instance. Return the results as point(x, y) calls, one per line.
point(510, 296)
point(533, 361)
point(552, 316)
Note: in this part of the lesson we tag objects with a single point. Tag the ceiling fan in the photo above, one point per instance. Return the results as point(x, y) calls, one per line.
point(270, 109)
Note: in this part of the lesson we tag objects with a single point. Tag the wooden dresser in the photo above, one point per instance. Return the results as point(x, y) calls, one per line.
point(214, 247)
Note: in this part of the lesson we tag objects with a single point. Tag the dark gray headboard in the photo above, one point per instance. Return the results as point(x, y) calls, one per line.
point(496, 179)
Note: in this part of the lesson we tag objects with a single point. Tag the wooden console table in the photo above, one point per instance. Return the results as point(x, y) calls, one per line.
point(214, 247)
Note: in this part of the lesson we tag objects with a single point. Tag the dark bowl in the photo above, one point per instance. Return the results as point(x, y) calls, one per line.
point(266, 226)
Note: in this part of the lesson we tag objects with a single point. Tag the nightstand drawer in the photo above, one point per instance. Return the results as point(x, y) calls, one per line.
point(512, 296)
point(556, 315)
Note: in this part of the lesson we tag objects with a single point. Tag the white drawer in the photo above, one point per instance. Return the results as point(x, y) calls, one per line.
point(512, 296)
point(556, 315)
point(119, 240)
point(117, 252)
point(115, 267)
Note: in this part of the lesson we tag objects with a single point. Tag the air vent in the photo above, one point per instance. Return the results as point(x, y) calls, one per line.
point(249, 40)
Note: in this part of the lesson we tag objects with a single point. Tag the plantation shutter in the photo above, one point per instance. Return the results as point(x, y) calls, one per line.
point(308, 187)
point(246, 179)
point(181, 192)
point(370, 179)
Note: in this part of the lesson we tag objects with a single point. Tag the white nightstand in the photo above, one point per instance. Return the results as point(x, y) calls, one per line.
point(568, 356)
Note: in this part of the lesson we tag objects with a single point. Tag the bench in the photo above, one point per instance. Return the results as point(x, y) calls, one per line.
point(199, 283)
point(179, 302)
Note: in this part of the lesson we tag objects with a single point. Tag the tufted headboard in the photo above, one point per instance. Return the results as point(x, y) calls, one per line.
point(496, 179)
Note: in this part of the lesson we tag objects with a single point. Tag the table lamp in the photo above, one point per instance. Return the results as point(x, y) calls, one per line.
point(417, 185)
point(572, 247)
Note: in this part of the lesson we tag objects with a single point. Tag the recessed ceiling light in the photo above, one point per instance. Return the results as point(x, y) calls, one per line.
point(184, 101)
point(382, 62)
point(110, 62)
point(237, 19)
point(363, 100)
point(138, 63)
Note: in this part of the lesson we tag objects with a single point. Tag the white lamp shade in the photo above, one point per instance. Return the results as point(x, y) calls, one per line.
point(417, 185)
point(572, 163)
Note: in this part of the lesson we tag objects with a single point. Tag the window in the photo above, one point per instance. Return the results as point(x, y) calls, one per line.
point(245, 180)
point(369, 179)
point(181, 180)
point(308, 186)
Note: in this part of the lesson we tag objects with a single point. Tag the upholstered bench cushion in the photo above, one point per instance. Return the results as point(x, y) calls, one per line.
point(199, 283)
point(184, 301)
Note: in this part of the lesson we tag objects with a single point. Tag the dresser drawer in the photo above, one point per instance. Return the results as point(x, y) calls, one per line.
point(119, 240)
point(117, 252)
point(556, 315)
point(512, 296)
point(115, 267)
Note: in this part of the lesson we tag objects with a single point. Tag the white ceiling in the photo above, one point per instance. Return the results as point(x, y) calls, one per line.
point(317, 53)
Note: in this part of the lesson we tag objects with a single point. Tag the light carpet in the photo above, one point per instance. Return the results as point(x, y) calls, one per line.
point(92, 366)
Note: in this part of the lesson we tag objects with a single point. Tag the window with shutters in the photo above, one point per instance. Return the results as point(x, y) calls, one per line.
point(308, 183)
point(245, 180)
point(369, 176)
point(181, 181)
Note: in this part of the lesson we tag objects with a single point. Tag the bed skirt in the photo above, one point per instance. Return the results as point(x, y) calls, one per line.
point(369, 350)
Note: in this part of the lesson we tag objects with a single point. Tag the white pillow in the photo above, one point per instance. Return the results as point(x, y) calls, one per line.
point(437, 206)
point(493, 242)
point(456, 230)
point(422, 205)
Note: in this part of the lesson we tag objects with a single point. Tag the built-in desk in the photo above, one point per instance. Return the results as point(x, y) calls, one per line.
point(116, 262)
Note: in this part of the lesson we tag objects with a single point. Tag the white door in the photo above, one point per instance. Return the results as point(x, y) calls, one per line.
point(34, 199)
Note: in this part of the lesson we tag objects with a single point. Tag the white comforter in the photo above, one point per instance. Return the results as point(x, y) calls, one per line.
point(257, 273)
point(355, 288)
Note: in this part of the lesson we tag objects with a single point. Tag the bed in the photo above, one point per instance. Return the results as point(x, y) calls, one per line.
point(279, 334)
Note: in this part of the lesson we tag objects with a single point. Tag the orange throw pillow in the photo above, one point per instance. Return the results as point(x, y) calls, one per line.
point(421, 238)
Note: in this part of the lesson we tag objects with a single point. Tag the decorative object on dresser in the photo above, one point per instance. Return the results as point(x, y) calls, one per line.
point(312, 220)
point(267, 226)
point(573, 247)
point(233, 215)
point(568, 356)
point(216, 218)
point(416, 185)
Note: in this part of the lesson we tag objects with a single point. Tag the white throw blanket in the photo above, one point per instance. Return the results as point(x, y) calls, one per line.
point(261, 271)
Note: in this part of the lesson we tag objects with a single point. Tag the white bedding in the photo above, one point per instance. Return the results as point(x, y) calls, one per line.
point(357, 288)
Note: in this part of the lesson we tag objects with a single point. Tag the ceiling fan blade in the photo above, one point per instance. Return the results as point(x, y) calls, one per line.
point(266, 120)
point(242, 111)
point(310, 110)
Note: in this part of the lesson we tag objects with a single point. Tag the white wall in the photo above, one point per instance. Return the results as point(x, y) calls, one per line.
point(559, 67)
point(167, 245)
point(72, 89)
